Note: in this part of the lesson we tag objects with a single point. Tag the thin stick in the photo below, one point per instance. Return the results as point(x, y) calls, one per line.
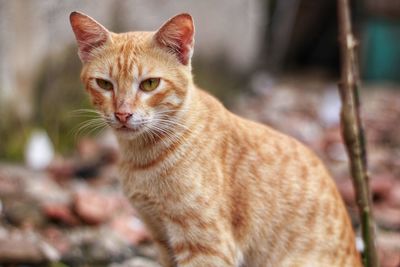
point(353, 133)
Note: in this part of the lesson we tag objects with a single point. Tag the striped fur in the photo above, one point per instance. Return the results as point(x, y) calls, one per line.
point(214, 189)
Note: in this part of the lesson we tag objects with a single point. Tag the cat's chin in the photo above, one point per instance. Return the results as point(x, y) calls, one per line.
point(128, 133)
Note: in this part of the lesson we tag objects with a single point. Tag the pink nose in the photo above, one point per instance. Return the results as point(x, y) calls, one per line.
point(123, 116)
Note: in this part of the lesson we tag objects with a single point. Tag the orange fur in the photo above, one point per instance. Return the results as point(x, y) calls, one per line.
point(214, 189)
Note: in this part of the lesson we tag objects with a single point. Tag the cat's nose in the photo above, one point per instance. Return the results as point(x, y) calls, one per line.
point(122, 116)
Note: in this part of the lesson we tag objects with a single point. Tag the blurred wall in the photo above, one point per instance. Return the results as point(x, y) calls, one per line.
point(33, 31)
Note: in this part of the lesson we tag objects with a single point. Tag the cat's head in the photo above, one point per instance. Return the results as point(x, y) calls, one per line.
point(139, 81)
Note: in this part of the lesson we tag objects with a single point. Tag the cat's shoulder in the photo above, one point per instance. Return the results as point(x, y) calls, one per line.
point(206, 98)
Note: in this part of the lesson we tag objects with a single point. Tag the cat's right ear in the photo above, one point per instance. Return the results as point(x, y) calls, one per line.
point(89, 34)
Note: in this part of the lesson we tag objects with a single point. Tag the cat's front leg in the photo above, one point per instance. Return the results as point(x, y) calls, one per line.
point(164, 255)
point(198, 237)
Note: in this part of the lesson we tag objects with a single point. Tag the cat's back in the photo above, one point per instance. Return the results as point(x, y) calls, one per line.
point(283, 203)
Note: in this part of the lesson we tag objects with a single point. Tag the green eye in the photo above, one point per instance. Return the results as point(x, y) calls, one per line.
point(104, 84)
point(149, 84)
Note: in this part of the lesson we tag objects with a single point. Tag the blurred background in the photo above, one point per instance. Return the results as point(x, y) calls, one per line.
point(276, 62)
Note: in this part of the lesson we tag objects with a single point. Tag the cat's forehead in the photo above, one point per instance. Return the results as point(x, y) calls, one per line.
point(131, 56)
point(132, 39)
point(128, 57)
point(129, 46)
point(133, 48)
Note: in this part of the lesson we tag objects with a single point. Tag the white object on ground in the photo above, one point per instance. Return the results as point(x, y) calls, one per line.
point(329, 109)
point(359, 244)
point(39, 150)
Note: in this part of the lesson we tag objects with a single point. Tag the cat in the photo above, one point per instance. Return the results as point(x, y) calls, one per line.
point(213, 188)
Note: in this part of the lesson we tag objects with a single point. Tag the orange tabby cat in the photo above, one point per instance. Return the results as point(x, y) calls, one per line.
point(214, 189)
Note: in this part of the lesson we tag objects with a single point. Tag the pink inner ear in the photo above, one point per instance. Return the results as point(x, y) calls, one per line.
point(177, 35)
point(89, 34)
point(89, 41)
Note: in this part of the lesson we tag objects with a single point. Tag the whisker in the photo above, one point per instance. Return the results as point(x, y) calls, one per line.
point(85, 110)
point(97, 129)
point(170, 135)
point(87, 125)
point(171, 123)
point(88, 113)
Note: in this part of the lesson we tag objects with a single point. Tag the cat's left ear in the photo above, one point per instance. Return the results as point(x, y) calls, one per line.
point(88, 33)
point(177, 35)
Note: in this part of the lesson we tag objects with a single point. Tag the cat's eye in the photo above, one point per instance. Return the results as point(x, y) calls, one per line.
point(149, 84)
point(104, 84)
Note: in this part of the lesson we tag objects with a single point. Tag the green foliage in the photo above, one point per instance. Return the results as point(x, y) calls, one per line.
point(13, 136)
point(59, 92)
point(57, 264)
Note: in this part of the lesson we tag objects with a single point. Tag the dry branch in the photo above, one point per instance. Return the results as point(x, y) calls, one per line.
point(352, 131)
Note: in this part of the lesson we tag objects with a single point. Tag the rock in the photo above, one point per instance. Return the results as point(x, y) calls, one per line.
point(43, 189)
point(394, 195)
point(130, 228)
point(94, 245)
point(92, 207)
point(389, 257)
point(136, 262)
point(25, 247)
point(57, 239)
point(89, 163)
point(387, 216)
point(60, 212)
point(389, 240)
point(380, 188)
point(88, 149)
point(49, 252)
point(147, 250)
point(8, 186)
point(61, 169)
point(23, 212)
point(20, 251)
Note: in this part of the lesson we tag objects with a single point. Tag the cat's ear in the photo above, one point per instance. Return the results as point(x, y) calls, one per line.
point(177, 35)
point(88, 33)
